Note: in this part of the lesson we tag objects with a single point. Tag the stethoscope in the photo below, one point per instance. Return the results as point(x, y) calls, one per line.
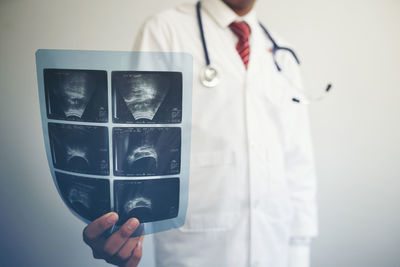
point(209, 75)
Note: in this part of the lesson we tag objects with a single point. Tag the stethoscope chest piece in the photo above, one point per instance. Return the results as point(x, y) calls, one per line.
point(209, 76)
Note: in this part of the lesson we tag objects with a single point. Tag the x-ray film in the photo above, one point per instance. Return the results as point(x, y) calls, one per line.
point(147, 200)
point(145, 151)
point(117, 127)
point(88, 197)
point(79, 148)
point(147, 97)
point(76, 95)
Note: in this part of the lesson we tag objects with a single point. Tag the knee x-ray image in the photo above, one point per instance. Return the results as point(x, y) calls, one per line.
point(117, 127)
point(79, 148)
point(89, 197)
point(148, 200)
point(144, 151)
point(147, 97)
point(76, 95)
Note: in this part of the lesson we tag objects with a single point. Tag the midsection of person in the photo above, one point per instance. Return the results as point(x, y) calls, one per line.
point(238, 197)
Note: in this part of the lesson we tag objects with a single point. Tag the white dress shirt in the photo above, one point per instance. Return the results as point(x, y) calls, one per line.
point(252, 181)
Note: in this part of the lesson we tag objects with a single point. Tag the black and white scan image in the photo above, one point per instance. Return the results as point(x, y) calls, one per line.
point(79, 148)
point(147, 97)
point(76, 95)
point(147, 200)
point(117, 132)
point(89, 197)
point(146, 151)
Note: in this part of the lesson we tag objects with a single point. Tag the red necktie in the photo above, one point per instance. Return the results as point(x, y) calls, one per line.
point(242, 31)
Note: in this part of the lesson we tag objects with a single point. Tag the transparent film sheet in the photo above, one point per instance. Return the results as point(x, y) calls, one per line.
point(116, 127)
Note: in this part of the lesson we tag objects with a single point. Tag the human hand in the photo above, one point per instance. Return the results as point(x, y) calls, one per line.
point(119, 249)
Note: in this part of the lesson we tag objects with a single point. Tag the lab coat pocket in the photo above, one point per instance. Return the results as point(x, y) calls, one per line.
point(278, 205)
point(212, 192)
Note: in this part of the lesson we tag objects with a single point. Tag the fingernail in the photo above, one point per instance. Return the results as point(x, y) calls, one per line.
point(112, 218)
point(139, 244)
point(132, 224)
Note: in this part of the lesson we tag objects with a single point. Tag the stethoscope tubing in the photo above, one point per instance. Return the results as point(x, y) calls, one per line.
point(275, 48)
point(203, 39)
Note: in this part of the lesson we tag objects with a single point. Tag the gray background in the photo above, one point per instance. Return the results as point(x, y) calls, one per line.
point(355, 44)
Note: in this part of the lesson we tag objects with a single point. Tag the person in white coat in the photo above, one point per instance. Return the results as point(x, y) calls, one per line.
point(252, 195)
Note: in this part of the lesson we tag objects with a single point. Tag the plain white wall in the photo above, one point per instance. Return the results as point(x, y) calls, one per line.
point(355, 44)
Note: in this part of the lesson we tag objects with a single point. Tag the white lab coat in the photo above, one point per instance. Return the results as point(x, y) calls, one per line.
point(252, 182)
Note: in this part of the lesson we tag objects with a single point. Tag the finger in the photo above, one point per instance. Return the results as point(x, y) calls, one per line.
point(95, 229)
point(121, 260)
point(127, 249)
point(115, 242)
point(97, 248)
point(136, 256)
point(141, 239)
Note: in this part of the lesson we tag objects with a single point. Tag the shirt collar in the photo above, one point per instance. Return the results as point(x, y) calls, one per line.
point(224, 15)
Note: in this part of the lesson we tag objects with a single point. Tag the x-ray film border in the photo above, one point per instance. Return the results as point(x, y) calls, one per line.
point(110, 140)
point(124, 61)
point(119, 125)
